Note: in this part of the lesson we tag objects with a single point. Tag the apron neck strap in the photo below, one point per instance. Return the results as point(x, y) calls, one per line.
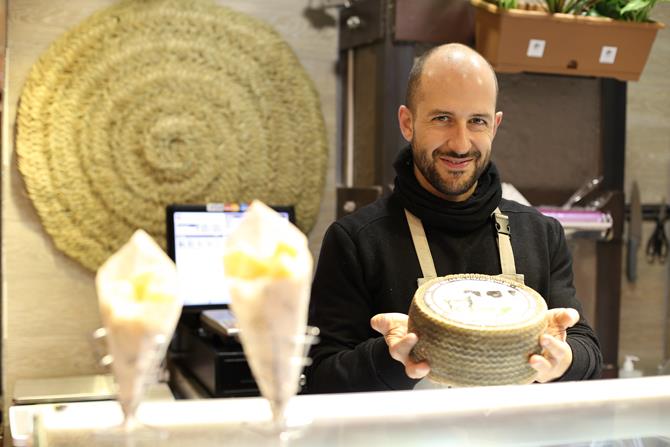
point(505, 247)
point(421, 248)
point(426, 260)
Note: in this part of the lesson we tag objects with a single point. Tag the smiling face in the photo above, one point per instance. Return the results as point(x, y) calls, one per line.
point(452, 122)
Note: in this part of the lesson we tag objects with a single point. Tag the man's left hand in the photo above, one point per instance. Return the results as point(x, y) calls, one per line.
point(556, 355)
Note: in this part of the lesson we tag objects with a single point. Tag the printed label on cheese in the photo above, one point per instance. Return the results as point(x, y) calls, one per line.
point(480, 302)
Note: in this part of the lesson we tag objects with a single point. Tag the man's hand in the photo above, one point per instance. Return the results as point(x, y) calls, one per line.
point(556, 355)
point(393, 326)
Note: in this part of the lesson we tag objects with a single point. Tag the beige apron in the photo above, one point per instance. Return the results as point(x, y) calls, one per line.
point(428, 266)
point(426, 259)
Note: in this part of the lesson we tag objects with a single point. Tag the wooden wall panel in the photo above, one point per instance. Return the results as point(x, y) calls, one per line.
point(549, 141)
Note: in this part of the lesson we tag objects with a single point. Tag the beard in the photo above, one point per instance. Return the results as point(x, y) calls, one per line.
point(457, 183)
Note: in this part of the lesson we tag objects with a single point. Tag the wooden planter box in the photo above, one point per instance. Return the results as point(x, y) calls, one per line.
point(517, 40)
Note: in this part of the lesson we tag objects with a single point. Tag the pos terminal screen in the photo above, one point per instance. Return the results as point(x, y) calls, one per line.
point(196, 235)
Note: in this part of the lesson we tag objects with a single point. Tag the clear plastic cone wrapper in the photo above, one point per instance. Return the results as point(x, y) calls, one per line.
point(268, 269)
point(139, 309)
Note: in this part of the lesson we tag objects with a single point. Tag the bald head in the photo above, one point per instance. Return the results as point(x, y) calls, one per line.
point(449, 59)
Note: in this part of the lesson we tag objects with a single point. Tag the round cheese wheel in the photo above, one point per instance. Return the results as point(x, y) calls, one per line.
point(477, 329)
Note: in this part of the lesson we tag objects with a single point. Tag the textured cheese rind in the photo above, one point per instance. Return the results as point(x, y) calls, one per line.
point(464, 352)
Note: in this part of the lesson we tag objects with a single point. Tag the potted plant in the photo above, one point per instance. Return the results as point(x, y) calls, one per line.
point(608, 38)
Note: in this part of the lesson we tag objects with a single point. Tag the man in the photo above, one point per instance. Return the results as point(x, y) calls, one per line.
point(368, 267)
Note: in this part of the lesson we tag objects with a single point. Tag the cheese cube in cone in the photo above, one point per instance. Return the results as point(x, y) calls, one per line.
point(268, 269)
point(139, 309)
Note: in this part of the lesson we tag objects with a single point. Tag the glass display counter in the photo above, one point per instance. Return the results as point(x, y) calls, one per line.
point(621, 412)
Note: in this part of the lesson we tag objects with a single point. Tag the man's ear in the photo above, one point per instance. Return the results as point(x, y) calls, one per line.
point(405, 123)
point(496, 122)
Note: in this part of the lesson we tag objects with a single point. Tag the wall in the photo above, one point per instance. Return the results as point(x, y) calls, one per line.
point(644, 322)
point(49, 302)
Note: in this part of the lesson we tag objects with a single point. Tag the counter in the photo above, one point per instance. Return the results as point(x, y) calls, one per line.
point(604, 412)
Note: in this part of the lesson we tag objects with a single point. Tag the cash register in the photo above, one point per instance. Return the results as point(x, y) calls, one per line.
point(205, 347)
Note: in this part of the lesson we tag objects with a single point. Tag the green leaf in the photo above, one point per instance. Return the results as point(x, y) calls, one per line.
point(636, 5)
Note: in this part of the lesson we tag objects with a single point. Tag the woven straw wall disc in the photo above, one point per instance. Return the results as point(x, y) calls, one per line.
point(477, 329)
point(152, 102)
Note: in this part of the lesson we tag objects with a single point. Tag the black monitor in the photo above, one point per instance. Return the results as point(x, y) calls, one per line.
point(195, 241)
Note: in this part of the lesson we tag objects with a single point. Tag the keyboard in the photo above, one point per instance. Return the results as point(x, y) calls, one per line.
point(221, 321)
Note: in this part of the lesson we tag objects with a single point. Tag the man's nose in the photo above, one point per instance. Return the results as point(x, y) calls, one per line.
point(458, 139)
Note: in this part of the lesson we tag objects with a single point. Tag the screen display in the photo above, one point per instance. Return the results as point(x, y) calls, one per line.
point(198, 243)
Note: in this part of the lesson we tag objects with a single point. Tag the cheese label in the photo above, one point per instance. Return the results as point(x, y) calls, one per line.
point(480, 302)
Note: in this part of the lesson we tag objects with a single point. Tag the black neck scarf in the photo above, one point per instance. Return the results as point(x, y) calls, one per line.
point(454, 216)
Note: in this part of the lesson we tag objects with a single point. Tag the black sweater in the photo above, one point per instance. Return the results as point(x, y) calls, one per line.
point(368, 265)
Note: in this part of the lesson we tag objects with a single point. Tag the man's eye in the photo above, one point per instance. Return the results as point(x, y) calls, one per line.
point(441, 118)
point(479, 122)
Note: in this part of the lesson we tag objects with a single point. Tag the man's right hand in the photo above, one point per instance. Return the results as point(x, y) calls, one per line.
point(393, 326)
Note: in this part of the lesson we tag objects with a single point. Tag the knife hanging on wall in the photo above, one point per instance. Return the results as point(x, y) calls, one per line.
point(634, 233)
point(657, 246)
